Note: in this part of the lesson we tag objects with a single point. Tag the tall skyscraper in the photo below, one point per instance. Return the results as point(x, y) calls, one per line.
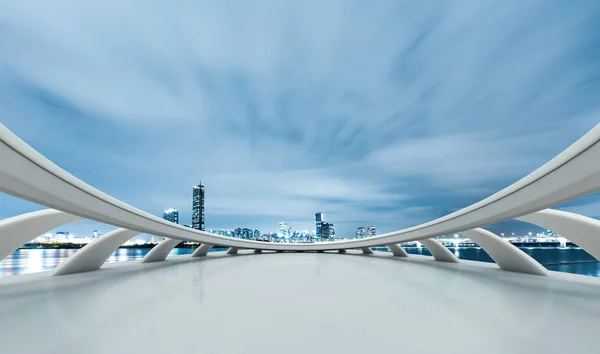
point(198, 207)
point(370, 231)
point(360, 232)
point(96, 234)
point(318, 220)
point(171, 215)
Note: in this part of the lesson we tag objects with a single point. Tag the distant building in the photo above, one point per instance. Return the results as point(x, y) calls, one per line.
point(63, 236)
point(318, 220)
point(198, 207)
point(284, 230)
point(171, 215)
point(237, 233)
point(360, 232)
point(256, 234)
point(370, 231)
point(327, 230)
point(95, 234)
point(246, 233)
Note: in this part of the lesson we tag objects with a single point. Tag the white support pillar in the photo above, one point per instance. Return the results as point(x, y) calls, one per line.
point(507, 256)
point(366, 250)
point(397, 251)
point(202, 250)
point(584, 231)
point(342, 251)
point(93, 255)
point(161, 251)
point(233, 250)
point(20, 229)
point(439, 251)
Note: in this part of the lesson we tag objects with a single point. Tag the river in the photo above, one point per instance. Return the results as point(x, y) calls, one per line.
point(24, 261)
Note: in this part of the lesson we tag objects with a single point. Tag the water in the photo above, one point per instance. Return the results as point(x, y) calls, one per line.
point(541, 254)
point(25, 261)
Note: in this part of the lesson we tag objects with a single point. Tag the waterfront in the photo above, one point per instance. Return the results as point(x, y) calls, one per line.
point(24, 261)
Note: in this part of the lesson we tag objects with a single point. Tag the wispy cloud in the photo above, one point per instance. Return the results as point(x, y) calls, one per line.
point(390, 113)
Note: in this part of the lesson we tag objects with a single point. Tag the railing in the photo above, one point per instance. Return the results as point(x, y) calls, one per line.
point(574, 173)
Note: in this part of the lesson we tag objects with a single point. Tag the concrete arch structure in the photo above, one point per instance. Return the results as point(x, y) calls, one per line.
point(233, 250)
point(397, 250)
point(26, 174)
point(18, 230)
point(439, 251)
point(160, 252)
point(94, 254)
point(506, 256)
point(202, 250)
point(584, 231)
point(366, 250)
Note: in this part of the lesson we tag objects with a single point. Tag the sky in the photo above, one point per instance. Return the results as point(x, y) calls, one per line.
point(384, 113)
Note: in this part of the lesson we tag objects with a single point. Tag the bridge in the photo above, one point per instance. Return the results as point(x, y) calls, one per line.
point(294, 298)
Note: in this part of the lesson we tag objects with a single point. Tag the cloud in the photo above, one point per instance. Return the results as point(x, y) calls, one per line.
point(388, 114)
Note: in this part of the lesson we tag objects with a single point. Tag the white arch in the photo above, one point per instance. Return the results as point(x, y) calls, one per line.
point(27, 174)
point(233, 250)
point(439, 251)
point(397, 250)
point(366, 250)
point(161, 251)
point(93, 255)
point(507, 256)
point(202, 250)
point(584, 231)
point(18, 230)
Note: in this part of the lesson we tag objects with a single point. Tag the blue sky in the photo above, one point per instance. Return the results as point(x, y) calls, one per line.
point(386, 113)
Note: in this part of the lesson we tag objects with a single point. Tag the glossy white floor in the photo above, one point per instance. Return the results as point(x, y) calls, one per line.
point(300, 303)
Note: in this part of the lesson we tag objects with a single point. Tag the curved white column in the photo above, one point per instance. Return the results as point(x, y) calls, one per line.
point(507, 256)
point(20, 229)
point(584, 231)
point(161, 251)
point(202, 250)
point(397, 250)
point(93, 255)
point(233, 250)
point(439, 251)
point(366, 250)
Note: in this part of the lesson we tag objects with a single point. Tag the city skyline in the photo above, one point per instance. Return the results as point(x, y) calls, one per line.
point(356, 116)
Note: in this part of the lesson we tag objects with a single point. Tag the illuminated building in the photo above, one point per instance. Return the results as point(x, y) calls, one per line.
point(318, 220)
point(198, 207)
point(360, 232)
point(171, 215)
point(370, 231)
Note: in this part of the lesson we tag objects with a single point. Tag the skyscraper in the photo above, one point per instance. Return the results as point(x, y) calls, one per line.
point(370, 231)
point(198, 207)
point(318, 221)
point(360, 232)
point(171, 215)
